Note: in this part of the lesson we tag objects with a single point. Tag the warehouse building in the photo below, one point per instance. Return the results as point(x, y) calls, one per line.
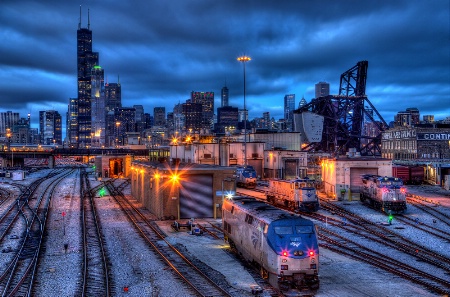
point(342, 176)
point(426, 145)
point(181, 190)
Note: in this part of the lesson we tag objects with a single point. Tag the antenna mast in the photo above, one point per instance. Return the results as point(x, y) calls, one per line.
point(79, 23)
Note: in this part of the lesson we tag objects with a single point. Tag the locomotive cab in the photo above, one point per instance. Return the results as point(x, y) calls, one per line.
point(297, 254)
point(385, 193)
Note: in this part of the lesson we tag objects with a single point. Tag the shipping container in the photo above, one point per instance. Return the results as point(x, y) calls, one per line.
point(417, 175)
point(401, 172)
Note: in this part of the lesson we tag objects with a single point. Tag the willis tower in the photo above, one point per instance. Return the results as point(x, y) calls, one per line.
point(81, 128)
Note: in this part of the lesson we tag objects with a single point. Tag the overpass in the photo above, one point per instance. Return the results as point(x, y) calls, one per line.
point(15, 156)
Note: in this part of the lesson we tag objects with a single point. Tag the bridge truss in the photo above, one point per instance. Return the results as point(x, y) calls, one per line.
point(350, 119)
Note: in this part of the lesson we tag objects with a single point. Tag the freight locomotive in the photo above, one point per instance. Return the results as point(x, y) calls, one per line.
point(246, 177)
point(296, 195)
point(282, 245)
point(385, 193)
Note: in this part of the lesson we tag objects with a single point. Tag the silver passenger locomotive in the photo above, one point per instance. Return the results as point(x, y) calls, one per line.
point(282, 245)
point(246, 177)
point(385, 193)
point(297, 194)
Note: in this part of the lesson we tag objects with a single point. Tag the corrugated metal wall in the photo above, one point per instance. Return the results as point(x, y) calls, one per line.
point(196, 197)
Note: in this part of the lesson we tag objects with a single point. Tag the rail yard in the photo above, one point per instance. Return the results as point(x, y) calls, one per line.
point(66, 233)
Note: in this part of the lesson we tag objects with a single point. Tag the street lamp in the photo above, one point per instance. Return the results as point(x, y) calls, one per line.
point(175, 143)
point(8, 134)
point(117, 131)
point(244, 59)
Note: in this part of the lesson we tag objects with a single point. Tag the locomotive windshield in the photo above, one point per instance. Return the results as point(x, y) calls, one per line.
point(283, 230)
point(304, 229)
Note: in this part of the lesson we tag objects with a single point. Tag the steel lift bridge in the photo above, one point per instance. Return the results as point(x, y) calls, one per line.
point(350, 119)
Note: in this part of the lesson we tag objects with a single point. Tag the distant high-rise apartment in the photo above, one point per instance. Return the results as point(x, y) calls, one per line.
point(50, 127)
point(21, 131)
point(192, 116)
point(206, 99)
point(178, 118)
point(266, 119)
point(322, 89)
point(125, 122)
point(113, 100)
point(159, 116)
point(86, 60)
point(113, 96)
point(415, 115)
point(243, 115)
point(7, 121)
point(224, 97)
point(410, 117)
point(227, 116)
point(428, 118)
point(289, 106)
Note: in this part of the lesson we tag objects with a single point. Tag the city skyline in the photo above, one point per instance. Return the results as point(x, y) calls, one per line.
point(163, 52)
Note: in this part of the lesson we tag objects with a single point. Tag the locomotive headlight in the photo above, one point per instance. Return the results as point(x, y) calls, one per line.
point(298, 253)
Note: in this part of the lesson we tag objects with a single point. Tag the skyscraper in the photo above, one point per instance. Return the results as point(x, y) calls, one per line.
point(302, 102)
point(289, 106)
point(125, 122)
point(50, 127)
point(322, 89)
point(206, 99)
point(86, 60)
point(113, 100)
point(7, 121)
point(266, 119)
point(224, 97)
point(192, 115)
point(98, 112)
point(113, 96)
point(159, 114)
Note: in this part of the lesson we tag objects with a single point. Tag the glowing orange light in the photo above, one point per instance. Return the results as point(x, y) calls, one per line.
point(157, 176)
point(311, 253)
point(244, 59)
point(403, 190)
point(174, 177)
point(285, 253)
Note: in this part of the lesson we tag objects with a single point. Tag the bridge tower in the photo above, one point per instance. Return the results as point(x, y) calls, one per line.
point(350, 119)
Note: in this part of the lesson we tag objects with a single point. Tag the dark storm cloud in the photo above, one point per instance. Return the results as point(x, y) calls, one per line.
point(163, 50)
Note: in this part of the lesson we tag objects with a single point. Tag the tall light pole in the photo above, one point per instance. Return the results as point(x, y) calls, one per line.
point(244, 59)
point(9, 135)
point(117, 131)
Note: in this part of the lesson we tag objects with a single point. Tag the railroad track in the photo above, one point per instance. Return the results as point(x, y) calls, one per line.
point(424, 206)
point(359, 227)
point(365, 227)
point(200, 283)
point(344, 245)
point(19, 276)
point(96, 278)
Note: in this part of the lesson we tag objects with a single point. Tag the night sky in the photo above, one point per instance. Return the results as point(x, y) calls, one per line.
point(163, 50)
